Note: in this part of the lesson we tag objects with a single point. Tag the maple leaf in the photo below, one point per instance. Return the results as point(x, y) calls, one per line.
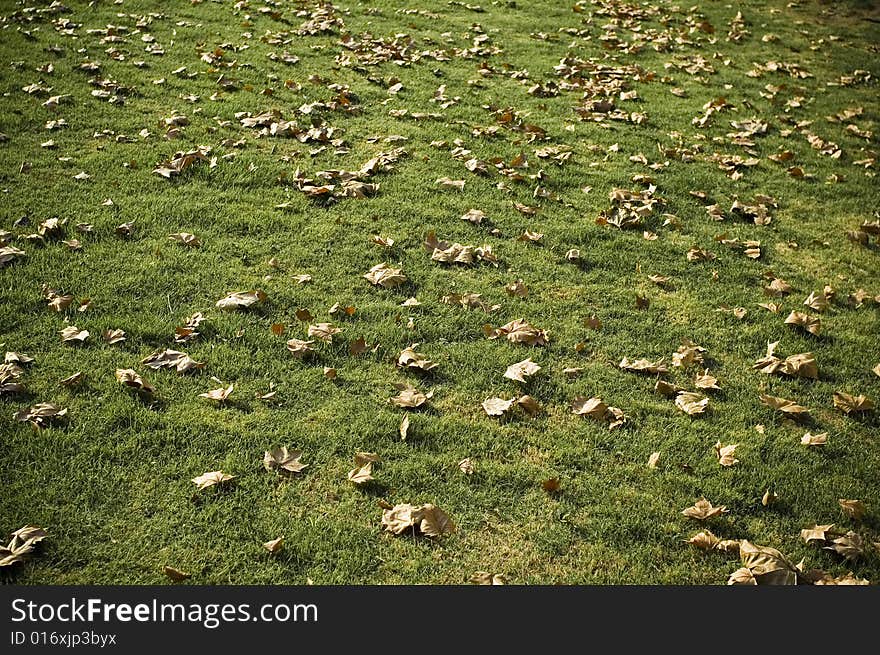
point(850, 546)
point(521, 370)
point(814, 439)
point(42, 414)
point(241, 300)
point(854, 509)
point(409, 396)
point(850, 404)
point(643, 366)
point(114, 336)
point(703, 509)
point(767, 565)
point(361, 474)
point(283, 460)
point(72, 334)
point(787, 407)
point(185, 239)
point(220, 395)
point(409, 358)
point(324, 331)
point(706, 381)
point(300, 348)
point(384, 276)
point(805, 321)
point(211, 478)
point(691, 403)
point(130, 378)
point(816, 533)
point(497, 406)
point(179, 361)
point(519, 331)
point(486, 578)
point(725, 454)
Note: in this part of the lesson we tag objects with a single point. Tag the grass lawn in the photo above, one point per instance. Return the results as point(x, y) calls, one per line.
point(543, 110)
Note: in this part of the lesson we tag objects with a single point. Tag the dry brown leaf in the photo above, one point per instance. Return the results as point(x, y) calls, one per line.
point(851, 546)
point(787, 407)
point(220, 395)
point(814, 439)
point(703, 509)
point(42, 414)
point(361, 474)
point(409, 358)
point(300, 348)
point(725, 454)
point(692, 404)
point(704, 540)
point(854, 509)
point(466, 466)
point(409, 396)
point(72, 380)
point(529, 405)
point(283, 460)
point(706, 381)
point(485, 578)
point(497, 406)
point(816, 533)
point(179, 361)
point(22, 544)
point(186, 239)
point(474, 216)
point(275, 545)
point(643, 366)
point(519, 331)
point(72, 334)
point(241, 300)
point(174, 574)
point(212, 478)
point(767, 565)
point(324, 331)
point(403, 430)
point(521, 370)
point(384, 276)
point(114, 336)
point(130, 378)
point(653, 459)
point(430, 520)
point(810, 323)
point(849, 404)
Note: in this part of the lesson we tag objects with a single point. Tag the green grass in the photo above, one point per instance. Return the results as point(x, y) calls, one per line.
point(112, 484)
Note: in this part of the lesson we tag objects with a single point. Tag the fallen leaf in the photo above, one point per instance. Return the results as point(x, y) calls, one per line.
point(175, 574)
point(703, 509)
point(283, 460)
point(130, 378)
point(814, 439)
point(849, 404)
point(725, 454)
point(497, 406)
point(854, 509)
point(212, 478)
point(72, 333)
point(409, 358)
point(690, 403)
point(521, 370)
point(220, 395)
point(275, 545)
point(384, 276)
point(241, 300)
